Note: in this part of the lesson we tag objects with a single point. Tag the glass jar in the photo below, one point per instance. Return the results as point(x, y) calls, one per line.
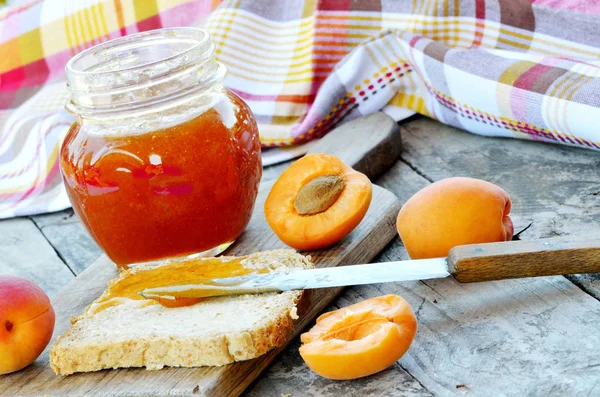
point(162, 161)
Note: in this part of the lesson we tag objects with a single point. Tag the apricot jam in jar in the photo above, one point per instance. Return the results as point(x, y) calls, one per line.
point(163, 161)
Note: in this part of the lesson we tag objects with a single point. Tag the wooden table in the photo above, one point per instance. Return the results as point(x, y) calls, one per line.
point(534, 337)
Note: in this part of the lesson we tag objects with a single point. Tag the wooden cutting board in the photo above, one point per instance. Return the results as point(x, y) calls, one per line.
point(370, 144)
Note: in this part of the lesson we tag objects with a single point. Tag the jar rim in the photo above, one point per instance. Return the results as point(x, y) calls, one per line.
point(142, 71)
point(200, 36)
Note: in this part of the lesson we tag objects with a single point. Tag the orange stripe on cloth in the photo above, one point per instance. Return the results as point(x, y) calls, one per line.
point(120, 17)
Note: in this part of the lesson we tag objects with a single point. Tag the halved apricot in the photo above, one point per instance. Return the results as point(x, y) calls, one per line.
point(361, 339)
point(317, 201)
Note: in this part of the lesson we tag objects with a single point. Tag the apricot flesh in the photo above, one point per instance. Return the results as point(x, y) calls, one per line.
point(317, 201)
point(361, 339)
point(452, 212)
point(26, 323)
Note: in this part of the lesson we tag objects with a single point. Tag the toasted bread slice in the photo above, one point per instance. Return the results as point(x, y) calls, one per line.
point(214, 332)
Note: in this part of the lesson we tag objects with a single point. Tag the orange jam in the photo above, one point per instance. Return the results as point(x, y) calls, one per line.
point(165, 193)
point(128, 288)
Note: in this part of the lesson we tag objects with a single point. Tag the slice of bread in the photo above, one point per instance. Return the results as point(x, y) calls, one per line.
point(215, 332)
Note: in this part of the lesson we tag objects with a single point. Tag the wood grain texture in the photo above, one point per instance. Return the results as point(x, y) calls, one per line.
point(369, 144)
point(364, 243)
point(554, 186)
point(528, 337)
point(518, 259)
point(370, 237)
point(532, 337)
point(522, 337)
point(289, 375)
point(24, 252)
point(69, 237)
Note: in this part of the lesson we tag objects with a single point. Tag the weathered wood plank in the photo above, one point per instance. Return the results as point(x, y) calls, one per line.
point(370, 144)
point(69, 238)
point(365, 242)
point(369, 238)
point(537, 337)
point(289, 375)
point(517, 337)
point(555, 187)
point(402, 181)
point(24, 252)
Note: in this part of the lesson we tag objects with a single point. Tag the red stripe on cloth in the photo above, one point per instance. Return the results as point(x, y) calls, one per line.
point(151, 23)
point(527, 79)
point(31, 75)
point(13, 79)
point(480, 9)
point(480, 24)
point(333, 5)
point(36, 73)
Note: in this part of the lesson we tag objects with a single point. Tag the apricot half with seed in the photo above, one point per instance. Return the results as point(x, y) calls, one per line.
point(317, 201)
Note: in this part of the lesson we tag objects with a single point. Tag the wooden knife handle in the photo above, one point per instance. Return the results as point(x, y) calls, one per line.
point(517, 259)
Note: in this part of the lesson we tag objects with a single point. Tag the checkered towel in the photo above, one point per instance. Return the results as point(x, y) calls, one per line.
point(510, 68)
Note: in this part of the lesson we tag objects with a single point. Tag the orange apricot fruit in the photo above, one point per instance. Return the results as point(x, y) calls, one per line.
point(361, 339)
point(317, 201)
point(26, 323)
point(451, 212)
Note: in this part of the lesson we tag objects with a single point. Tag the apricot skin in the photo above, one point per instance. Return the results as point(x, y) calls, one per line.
point(452, 212)
point(26, 323)
point(361, 339)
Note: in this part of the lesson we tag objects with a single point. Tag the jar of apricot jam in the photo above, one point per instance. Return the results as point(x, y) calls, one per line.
point(162, 161)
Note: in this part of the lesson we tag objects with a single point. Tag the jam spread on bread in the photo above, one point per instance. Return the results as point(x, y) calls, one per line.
point(126, 289)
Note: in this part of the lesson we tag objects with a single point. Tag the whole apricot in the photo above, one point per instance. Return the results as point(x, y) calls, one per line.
point(451, 212)
point(26, 323)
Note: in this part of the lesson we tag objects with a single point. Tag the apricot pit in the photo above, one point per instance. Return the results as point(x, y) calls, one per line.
point(319, 194)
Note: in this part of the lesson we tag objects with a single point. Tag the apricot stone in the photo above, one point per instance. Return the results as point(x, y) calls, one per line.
point(26, 323)
point(451, 212)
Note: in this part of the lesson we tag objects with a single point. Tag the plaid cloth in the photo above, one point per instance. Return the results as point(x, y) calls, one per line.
point(515, 68)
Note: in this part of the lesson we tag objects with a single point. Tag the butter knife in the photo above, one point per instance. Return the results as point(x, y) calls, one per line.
point(467, 263)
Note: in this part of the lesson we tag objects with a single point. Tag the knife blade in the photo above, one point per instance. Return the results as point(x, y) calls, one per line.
point(297, 279)
point(467, 263)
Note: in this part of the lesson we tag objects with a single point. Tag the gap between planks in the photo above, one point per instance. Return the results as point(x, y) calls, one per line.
point(53, 247)
point(422, 173)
